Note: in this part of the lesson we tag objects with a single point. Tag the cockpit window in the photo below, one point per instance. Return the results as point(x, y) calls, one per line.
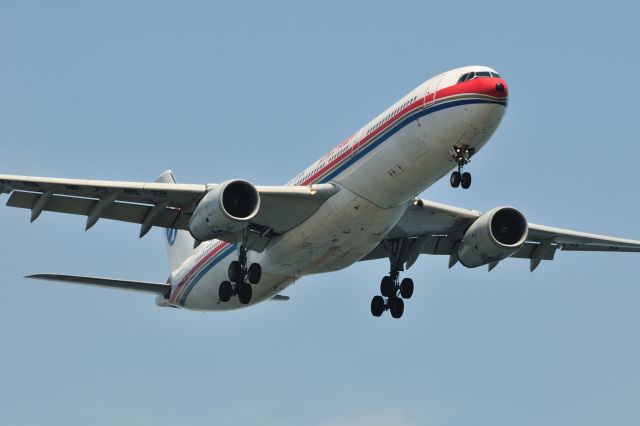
point(475, 74)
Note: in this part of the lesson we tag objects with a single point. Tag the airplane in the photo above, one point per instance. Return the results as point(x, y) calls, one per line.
point(235, 244)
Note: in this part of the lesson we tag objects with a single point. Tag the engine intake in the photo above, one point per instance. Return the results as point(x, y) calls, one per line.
point(227, 208)
point(494, 236)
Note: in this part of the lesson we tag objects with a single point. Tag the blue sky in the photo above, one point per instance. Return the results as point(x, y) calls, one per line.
point(125, 90)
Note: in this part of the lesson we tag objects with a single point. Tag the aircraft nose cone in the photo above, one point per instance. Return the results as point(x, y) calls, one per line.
point(500, 87)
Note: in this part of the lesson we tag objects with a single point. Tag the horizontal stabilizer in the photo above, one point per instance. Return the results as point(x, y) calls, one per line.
point(160, 288)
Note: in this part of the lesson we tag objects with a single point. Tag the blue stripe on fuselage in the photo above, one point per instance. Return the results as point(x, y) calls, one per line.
point(399, 126)
point(206, 268)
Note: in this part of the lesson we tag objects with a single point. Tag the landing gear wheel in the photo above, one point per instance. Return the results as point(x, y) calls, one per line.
point(465, 180)
point(225, 291)
point(377, 306)
point(406, 288)
point(235, 272)
point(244, 293)
point(255, 273)
point(387, 287)
point(455, 179)
point(397, 307)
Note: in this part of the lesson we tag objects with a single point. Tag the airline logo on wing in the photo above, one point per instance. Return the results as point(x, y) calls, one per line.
point(171, 235)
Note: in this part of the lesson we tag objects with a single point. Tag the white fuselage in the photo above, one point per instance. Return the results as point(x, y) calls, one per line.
point(379, 170)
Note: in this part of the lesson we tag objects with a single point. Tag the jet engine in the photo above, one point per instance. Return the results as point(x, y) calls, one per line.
point(494, 236)
point(225, 209)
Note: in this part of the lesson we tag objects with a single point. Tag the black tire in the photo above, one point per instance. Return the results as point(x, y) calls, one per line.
point(387, 287)
point(245, 292)
point(225, 291)
point(406, 288)
point(235, 272)
point(454, 180)
point(465, 180)
point(377, 306)
point(255, 273)
point(397, 308)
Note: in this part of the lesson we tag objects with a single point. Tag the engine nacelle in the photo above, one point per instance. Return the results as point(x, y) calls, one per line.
point(225, 209)
point(494, 236)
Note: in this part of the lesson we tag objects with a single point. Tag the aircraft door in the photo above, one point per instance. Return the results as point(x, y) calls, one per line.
point(355, 146)
point(430, 94)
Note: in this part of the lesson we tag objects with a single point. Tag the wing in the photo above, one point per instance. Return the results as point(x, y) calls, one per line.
point(166, 205)
point(433, 228)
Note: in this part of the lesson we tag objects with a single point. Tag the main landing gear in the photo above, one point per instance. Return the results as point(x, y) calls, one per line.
point(461, 155)
point(392, 295)
point(393, 291)
point(240, 279)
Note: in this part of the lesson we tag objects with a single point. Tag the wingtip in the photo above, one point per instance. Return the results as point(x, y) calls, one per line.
point(34, 276)
point(166, 177)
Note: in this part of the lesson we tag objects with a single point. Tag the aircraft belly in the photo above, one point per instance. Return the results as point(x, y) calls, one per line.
point(204, 297)
point(343, 230)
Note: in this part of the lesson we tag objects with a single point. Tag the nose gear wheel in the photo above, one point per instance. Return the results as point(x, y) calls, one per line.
point(462, 156)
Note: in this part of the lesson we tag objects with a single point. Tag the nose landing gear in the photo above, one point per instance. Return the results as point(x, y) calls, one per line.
point(461, 155)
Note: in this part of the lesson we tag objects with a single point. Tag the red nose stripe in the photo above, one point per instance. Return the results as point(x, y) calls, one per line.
point(482, 85)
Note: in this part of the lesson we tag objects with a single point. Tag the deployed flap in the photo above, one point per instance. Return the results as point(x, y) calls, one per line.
point(160, 288)
point(125, 212)
point(442, 245)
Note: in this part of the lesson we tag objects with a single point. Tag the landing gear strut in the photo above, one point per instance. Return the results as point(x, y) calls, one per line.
point(392, 290)
point(240, 277)
point(461, 155)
